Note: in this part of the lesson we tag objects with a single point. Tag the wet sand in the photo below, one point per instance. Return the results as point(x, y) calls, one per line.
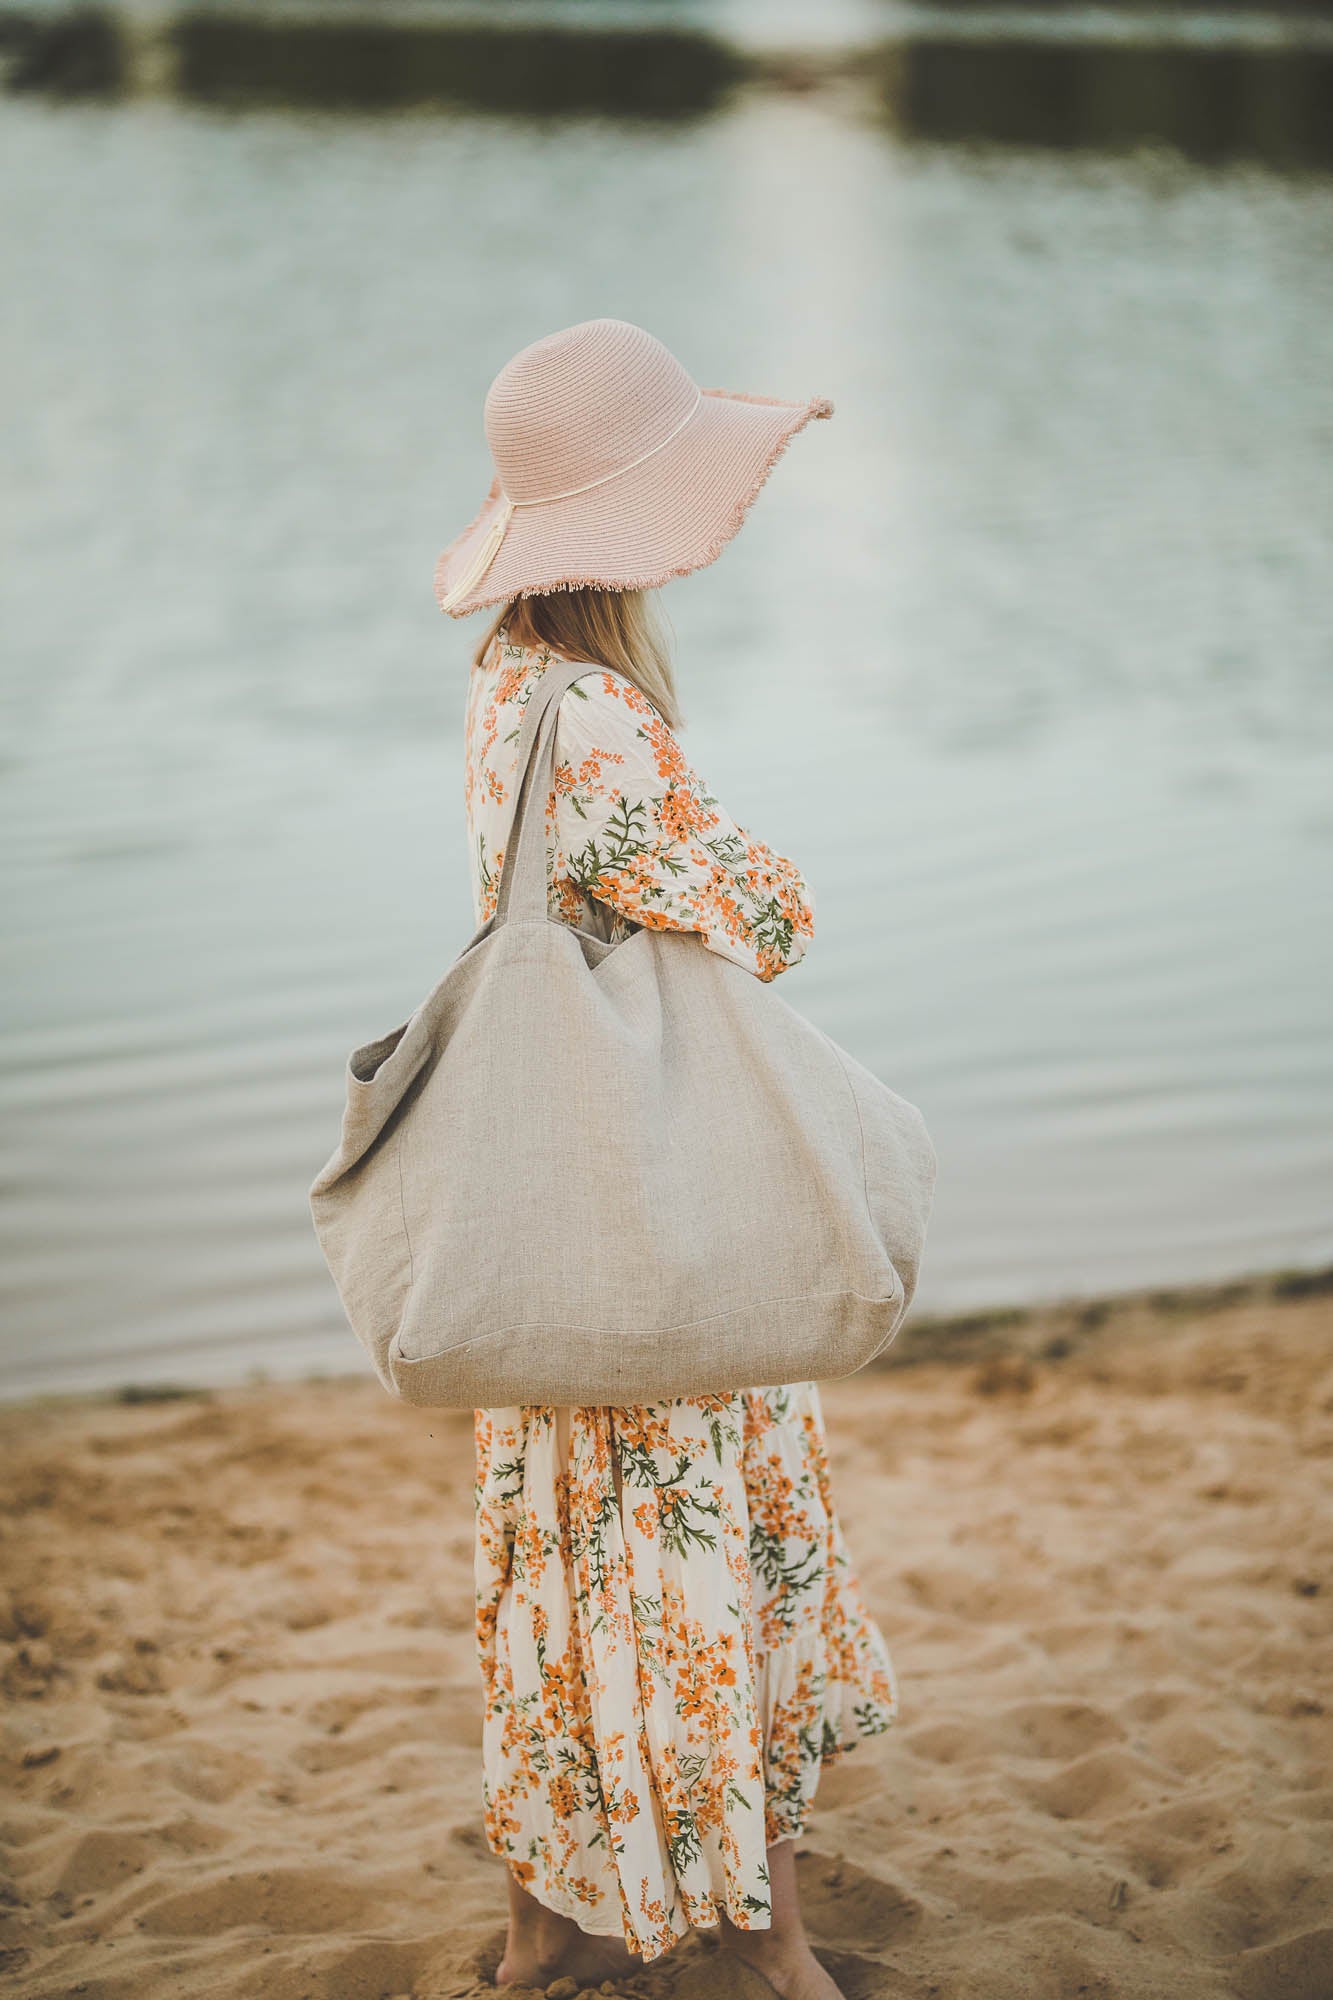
point(242, 1712)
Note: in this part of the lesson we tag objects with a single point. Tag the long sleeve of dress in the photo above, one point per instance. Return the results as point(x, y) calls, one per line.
point(639, 830)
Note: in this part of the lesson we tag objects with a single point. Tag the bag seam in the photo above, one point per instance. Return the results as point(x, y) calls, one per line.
point(402, 1210)
point(656, 1332)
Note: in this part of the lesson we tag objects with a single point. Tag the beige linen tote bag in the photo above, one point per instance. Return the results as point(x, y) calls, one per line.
point(588, 1173)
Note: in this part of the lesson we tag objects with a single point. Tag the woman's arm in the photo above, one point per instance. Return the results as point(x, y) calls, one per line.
point(639, 830)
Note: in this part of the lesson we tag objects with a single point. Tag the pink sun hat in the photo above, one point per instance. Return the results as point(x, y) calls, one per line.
point(612, 469)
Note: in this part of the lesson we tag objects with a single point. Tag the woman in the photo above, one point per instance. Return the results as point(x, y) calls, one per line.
point(671, 1638)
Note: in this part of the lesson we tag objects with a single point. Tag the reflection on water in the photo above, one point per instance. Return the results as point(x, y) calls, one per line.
point(632, 73)
point(1269, 98)
point(1025, 657)
point(1210, 104)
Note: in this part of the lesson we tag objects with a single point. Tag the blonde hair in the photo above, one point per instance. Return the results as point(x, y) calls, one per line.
point(607, 628)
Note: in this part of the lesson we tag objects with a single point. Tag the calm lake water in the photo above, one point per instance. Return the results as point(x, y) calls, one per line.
point(1026, 656)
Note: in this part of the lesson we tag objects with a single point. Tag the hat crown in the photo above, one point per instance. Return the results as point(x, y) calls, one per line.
point(581, 405)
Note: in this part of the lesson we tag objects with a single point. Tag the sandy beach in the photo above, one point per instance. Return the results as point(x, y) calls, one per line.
point(242, 1708)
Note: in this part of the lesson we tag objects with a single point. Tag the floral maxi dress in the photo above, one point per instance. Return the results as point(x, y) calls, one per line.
point(672, 1640)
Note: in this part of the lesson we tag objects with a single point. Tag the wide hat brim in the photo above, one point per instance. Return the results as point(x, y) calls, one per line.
point(673, 513)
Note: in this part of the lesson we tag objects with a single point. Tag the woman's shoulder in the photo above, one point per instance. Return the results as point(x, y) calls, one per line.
point(529, 663)
point(599, 707)
point(597, 690)
point(605, 690)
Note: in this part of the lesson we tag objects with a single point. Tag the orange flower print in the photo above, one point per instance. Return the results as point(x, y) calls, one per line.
point(672, 1640)
point(635, 839)
point(624, 1740)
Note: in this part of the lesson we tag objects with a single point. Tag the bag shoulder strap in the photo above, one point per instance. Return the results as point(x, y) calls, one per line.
point(522, 891)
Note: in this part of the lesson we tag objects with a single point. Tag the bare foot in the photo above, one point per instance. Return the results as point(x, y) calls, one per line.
point(541, 1947)
point(782, 1954)
point(526, 1966)
point(592, 1958)
point(587, 1959)
point(789, 1965)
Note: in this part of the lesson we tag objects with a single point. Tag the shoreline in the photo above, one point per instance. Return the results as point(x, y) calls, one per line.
point(1055, 1329)
point(1048, 1330)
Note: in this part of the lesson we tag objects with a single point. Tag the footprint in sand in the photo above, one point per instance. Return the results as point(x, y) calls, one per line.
point(1296, 1969)
point(849, 1909)
point(1163, 1847)
point(1055, 1729)
point(276, 1899)
point(1109, 1780)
